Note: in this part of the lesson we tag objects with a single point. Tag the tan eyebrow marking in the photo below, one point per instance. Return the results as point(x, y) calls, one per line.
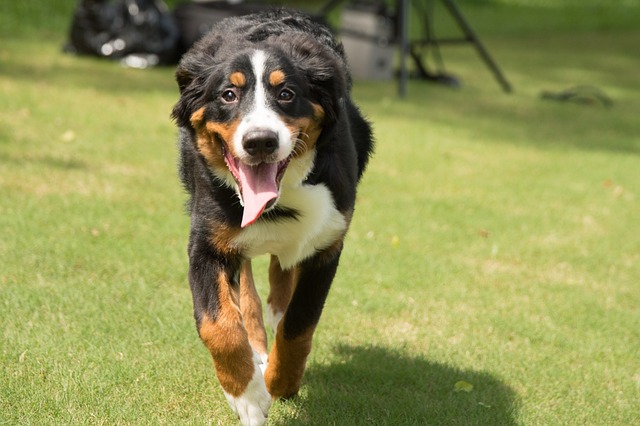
point(276, 78)
point(238, 79)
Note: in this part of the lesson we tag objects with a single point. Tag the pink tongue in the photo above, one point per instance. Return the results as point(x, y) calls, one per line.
point(259, 186)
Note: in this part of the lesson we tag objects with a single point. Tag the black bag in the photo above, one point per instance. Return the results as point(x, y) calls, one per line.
point(139, 32)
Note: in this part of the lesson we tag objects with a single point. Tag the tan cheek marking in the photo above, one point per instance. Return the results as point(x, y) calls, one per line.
point(197, 117)
point(276, 78)
point(308, 129)
point(208, 140)
point(238, 79)
point(227, 342)
point(208, 146)
point(226, 131)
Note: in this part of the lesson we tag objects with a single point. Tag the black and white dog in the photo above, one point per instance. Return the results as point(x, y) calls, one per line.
point(272, 149)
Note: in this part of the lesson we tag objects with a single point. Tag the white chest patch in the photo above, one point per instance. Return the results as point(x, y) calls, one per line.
point(318, 225)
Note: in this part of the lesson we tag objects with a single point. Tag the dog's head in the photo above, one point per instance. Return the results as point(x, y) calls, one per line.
point(258, 111)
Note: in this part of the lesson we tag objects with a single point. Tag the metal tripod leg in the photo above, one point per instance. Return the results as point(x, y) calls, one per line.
point(471, 37)
point(403, 10)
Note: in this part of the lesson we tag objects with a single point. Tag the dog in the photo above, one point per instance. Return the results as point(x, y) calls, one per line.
point(271, 151)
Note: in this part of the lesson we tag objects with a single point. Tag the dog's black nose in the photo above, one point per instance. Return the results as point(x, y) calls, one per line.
point(260, 142)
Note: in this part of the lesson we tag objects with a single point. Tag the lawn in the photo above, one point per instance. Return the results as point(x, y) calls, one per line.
point(490, 277)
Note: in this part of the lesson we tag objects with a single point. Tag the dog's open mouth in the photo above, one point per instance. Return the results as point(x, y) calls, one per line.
point(259, 185)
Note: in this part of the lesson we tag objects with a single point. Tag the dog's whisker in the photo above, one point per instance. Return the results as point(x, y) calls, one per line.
point(303, 134)
point(300, 146)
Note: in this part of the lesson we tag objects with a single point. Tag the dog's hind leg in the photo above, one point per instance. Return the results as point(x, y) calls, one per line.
point(288, 356)
point(251, 308)
point(281, 286)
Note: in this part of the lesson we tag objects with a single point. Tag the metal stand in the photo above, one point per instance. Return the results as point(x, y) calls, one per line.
point(431, 40)
point(414, 48)
point(403, 32)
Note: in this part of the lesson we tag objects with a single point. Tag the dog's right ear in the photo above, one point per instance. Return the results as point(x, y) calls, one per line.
point(183, 78)
point(192, 75)
point(188, 77)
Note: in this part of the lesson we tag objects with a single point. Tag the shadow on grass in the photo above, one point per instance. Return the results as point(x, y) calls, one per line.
point(522, 120)
point(378, 386)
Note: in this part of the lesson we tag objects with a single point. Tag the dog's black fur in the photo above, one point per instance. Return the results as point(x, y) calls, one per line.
point(315, 67)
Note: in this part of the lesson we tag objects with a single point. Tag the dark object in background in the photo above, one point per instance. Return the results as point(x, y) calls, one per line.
point(141, 33)
point(195, 19)
point(368, 33)
point(586, 95)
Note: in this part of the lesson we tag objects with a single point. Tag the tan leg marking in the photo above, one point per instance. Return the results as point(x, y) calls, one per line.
point(281, 284)
point(287, 361)
point(251, 308)
point(222, 236)
point(227, 341)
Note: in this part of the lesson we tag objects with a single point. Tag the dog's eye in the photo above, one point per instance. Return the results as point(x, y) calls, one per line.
point(229, 96)
point(286, 95)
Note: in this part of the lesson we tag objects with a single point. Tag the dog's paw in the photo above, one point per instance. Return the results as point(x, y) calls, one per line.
point(252, 406)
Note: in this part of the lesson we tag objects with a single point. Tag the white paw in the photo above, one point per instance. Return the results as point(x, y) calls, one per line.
point(273, 318)
point(253, 405)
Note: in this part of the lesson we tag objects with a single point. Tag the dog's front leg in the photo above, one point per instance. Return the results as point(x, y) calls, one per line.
point(215, 289)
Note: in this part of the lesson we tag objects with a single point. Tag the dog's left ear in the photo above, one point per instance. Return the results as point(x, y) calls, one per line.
point(324, 70)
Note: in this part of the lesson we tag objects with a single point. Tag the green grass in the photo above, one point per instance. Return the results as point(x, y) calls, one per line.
point(495, 242)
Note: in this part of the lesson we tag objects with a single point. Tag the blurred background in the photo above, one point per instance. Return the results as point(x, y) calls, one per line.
point(490, 275)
